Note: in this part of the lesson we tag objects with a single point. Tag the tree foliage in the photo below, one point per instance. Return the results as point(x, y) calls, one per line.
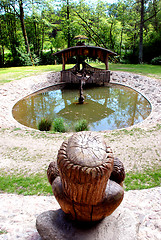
point(31, 30)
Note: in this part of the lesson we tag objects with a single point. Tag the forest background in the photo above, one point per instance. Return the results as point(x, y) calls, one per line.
point(32, 30)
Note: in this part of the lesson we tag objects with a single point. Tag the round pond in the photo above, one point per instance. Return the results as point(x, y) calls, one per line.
point(105, 108)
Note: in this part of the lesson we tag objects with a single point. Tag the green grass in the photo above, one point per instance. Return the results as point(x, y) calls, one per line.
point(30, 185)
point(59, 125)
point(143, 69)
point(45, 125)
point(148, 179)
point(2, 231)
point(81, 125)
point(38, 184)
point(16, 73)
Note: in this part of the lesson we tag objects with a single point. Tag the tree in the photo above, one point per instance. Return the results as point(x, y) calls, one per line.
point(141, 31)
point(127, 27)
point(10, 25)
point(21, 16)
point(3, 38)
point(13, 11)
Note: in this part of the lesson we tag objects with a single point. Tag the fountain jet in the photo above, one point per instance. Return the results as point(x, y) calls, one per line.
point(81, 98)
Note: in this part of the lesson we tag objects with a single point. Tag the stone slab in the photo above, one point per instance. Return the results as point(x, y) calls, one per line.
point(55, 225)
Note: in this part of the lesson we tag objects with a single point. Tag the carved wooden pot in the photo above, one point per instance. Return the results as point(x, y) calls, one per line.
point(84, 189)
point(85, 164)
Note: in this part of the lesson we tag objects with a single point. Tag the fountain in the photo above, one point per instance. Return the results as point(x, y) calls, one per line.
point(81, 98)
point(87, 180)
point(105, 108)
point(104, 105)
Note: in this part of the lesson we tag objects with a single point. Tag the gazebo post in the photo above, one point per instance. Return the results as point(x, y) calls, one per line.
point(106, 62)
point(63, 59)
point(85, 51)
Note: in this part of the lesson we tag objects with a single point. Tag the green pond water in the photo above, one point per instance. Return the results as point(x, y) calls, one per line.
point(105, 108)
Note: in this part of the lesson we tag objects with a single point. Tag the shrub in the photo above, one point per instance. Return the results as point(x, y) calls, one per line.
point(24, 58)
point(156, 61)
point(81, 125)
point(45, 124)
point(47, 58)
point(58, 125)
point(130, 57)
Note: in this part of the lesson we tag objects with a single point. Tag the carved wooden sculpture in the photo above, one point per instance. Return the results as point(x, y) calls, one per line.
point(83, 188)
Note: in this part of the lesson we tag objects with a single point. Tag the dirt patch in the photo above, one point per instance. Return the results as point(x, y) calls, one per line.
point(28, 151)
point(31, 151)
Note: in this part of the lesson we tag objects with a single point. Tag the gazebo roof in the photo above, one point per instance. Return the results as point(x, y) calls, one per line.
point(88, 51)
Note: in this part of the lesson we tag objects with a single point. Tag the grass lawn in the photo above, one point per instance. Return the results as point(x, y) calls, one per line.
point(38, 184)
point(16, 73)
point(143, 69)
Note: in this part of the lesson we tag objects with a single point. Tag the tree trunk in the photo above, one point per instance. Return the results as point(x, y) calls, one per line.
point(35, 38)
point(68, 23)
point(111, 38)
point(134, 40)
point(1, 62)
point(11, 31)
point(141, 32)
point(24, 29)
point(155, 15)
point(3, 55)
point(121, 40)
point(93, 32)
point(42, 38)
point(91, 36)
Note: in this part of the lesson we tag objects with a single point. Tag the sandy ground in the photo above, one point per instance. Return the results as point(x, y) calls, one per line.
point(25, 150)
point(140, 208)
point(31, 151)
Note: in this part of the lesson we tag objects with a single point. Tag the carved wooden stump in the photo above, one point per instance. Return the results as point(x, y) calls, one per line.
point(84, 189)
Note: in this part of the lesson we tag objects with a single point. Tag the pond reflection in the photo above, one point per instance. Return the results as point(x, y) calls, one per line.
point(105, 108)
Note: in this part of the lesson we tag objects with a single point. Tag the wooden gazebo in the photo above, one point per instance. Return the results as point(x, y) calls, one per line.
point(88, 73)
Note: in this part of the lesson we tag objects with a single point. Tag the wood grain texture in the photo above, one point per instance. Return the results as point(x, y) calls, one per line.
point(83, 185)
point(87, 212)
point(118, 173)
point(85, 164)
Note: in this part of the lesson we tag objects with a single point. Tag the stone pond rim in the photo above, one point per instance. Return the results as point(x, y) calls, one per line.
point(70, 108)
point(88, 74)
point(16, 90)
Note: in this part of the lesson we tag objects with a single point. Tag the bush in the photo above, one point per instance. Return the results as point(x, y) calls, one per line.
point(81, 125)
point(59, 125)
point(25, 59)
point(156, 61)
point(152, 48)
point(45, 125)
point(21, 58)
point(47, 58)
point(130, 57)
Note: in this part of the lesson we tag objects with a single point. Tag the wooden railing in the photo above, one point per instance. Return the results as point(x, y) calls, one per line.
point(92, 75)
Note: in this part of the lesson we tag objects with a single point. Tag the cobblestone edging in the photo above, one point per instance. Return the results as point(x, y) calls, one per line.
point(148, 87)
point(11, 92)
point(18, 213)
